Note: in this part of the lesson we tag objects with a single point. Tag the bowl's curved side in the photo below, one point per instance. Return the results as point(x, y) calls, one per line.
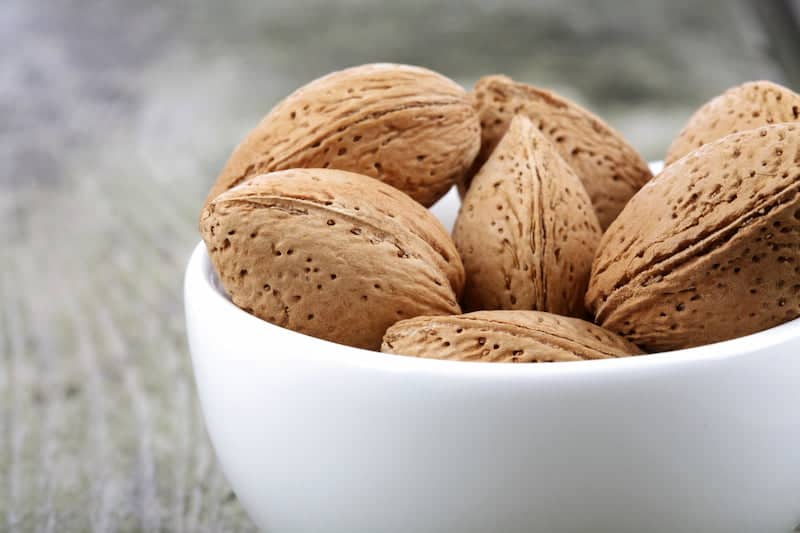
point(313, 438)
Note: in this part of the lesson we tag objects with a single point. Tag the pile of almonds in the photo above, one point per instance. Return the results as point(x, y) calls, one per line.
point(565, 247)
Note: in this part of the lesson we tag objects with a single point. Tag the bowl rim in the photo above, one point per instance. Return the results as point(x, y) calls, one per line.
point(201, 284)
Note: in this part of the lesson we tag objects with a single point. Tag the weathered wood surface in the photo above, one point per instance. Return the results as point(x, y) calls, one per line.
point(114, 118)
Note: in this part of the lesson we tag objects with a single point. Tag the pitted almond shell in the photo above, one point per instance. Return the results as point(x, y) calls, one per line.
point(744, 107)
point(504, 336)
point(332, 254)
point(526, 230)
point(406, 126)
point(610, 169)
point(709, 250)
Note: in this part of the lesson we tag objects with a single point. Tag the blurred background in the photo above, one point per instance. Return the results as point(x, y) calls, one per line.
point(115, 117)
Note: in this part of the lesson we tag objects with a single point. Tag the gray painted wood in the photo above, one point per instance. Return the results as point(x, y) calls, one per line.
point(114, 118)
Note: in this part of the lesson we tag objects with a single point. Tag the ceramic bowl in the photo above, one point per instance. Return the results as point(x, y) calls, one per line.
point(319, 437)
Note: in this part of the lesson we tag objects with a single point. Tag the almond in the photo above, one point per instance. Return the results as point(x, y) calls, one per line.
point(747, 106)
point(609, 167)
point(407, 126)
point(526, 230)
point(506, 337)
point(708, 250)
point(333, 254)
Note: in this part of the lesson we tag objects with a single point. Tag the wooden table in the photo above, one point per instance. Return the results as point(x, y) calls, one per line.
point(115, 117)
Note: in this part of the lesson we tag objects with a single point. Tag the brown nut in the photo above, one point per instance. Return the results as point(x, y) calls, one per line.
point(708, 250)
point(747, 106)
point(407, 126)
point(330, 253)
point(526, 231)
point(506, 337)
point(611, 170)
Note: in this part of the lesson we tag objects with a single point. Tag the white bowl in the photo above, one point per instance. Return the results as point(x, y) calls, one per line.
point(319, 437)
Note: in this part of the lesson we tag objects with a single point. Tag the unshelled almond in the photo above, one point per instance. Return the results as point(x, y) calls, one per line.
point(526, 230)
point(407, 126)
point(744, 107)
point(611, 170)
point(505, 336)
point(709, 250)
point(330, 253)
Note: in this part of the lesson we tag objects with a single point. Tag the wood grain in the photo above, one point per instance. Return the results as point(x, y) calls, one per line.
point(101, 430)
